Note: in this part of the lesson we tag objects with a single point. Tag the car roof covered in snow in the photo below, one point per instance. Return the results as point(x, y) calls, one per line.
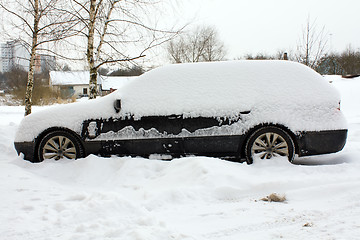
point(223, 88)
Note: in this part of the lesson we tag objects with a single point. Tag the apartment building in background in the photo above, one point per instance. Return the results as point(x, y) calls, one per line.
point(13, 54)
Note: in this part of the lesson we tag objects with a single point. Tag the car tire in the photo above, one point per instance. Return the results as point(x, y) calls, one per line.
point(60, 144)
point(269, 142)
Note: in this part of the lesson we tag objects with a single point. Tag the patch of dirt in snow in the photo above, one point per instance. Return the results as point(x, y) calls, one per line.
point(274, 197)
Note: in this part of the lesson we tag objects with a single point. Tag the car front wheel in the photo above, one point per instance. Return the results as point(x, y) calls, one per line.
point(59, 144)
point(268, 143)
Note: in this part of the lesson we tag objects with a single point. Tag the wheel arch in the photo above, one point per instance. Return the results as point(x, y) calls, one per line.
point(257, 127)
point(53, 129)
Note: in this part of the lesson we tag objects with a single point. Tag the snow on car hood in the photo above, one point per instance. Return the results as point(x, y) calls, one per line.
point(281, 92)
point(68, 116)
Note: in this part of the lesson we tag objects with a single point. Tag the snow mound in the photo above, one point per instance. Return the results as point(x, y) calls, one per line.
point(178, 181)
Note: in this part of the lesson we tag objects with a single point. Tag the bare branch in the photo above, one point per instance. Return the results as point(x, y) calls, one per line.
point(82, 6)
point(18, 16)
point(120, 60)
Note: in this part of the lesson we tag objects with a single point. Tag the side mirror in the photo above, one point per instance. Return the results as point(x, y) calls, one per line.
point(117, 105)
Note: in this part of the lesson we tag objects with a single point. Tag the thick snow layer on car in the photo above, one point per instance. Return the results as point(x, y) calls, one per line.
point(279, 92)
point(226, 88)
point(68, 116)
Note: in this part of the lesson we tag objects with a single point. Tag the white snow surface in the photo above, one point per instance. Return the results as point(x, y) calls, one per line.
point(192, 198)
point(278, 92)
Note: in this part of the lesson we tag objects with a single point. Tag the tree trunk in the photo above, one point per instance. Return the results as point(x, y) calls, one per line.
point(30, 83)
point(30, 80)
point(93, 83)
point(90, 51)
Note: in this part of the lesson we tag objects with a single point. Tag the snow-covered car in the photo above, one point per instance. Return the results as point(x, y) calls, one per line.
point(241, 109)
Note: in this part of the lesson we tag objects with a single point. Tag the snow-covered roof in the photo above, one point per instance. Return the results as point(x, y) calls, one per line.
point(114, 82)
point(71, 78)
point(224, 88)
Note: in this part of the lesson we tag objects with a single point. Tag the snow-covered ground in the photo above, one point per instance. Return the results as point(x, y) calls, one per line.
point(188, 198)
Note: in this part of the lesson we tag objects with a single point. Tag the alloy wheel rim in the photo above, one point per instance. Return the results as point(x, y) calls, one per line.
point(59, 147)
point(269, 145)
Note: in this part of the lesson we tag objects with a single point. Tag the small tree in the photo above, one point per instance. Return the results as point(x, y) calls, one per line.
point(201, 45)
point(312, 45)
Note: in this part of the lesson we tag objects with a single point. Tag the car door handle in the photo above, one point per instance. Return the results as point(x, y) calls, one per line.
point(174, 117)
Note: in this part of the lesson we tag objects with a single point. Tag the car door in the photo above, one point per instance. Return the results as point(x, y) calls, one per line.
point(211, 135)
point(130, 136)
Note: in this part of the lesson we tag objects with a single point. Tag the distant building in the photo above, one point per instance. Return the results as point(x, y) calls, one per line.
point(13, 54)
point(74, 83)
point(44, 63)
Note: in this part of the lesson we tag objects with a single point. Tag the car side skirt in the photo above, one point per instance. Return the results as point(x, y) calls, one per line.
point(209, 146)
point(308, 143)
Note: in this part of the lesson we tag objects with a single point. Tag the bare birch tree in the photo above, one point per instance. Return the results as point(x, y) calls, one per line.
point(38, 22)
point(201, 45)
point(312, 45)
point(116, 31)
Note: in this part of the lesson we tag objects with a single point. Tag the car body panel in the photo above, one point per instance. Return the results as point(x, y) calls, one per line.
point(321, 142)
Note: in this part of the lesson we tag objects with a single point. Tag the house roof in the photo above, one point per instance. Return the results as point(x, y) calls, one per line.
point(71, 78)
point(114, 82)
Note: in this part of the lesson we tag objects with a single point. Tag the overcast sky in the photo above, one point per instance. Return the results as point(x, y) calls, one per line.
point(266, 26)
point(262, 26)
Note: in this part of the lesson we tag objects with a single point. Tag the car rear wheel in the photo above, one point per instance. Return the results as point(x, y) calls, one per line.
point(267, 143)
point(59, 144)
